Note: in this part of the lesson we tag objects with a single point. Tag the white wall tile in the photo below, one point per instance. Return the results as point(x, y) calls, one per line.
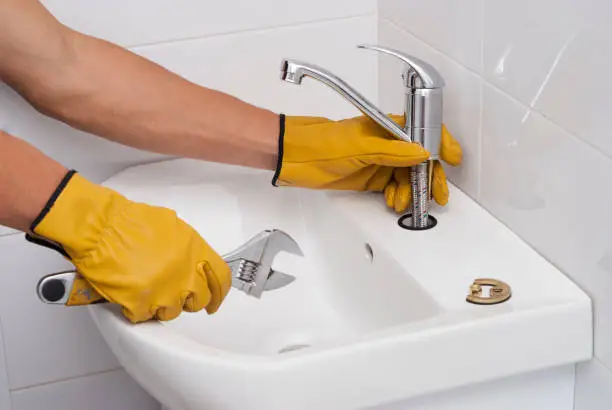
point(523, 40)
point(462, 96)
point(593, 386)
point(453, 27)
point(150, 21)
point(554, 55)
point(248, 66)
point(113, 390)
point(555, 192)
point(550, 389)
point(42, 342)
point(578, 95)
point(5, 398)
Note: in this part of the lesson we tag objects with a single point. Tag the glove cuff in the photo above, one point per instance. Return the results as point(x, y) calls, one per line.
point(281, 141)
point(39, 240)
point(52, 199)
point(75, 216)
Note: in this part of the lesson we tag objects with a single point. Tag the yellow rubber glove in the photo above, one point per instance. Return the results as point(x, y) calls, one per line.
point(353, 154)
point(398, 192)
point(142, 257)
point(356, 154)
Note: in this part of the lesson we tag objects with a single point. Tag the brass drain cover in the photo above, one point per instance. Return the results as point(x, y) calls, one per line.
point(499, 292)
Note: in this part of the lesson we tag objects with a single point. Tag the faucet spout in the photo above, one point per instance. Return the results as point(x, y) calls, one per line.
point(293, 71)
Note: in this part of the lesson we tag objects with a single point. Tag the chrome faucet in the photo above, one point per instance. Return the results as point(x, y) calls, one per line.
point(423, 113)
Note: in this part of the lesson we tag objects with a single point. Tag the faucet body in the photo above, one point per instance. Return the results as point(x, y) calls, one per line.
point(423, 113)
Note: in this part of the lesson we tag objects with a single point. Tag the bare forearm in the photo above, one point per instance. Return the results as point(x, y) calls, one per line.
point(104, 89)
point(28, 178)
point(119, 95)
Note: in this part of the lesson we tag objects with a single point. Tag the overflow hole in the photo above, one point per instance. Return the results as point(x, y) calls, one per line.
point(369, 252)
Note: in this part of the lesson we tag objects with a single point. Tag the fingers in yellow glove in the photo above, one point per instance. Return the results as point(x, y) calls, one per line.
point(346, 155)
point(450, 150)
point(141, 257)
point(398, 194)
point(452, 154)
point(170, 312)
point(389, 193)
point(218, 286)
point(357, 154)
point(439, 185)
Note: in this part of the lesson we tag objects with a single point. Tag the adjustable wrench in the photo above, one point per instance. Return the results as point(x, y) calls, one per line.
point(251, 266)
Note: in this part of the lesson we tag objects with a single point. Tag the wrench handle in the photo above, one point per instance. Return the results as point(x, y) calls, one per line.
point(67, 288)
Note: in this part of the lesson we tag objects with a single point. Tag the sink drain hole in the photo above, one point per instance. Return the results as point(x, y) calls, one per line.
point(292, 348)
point(406, 220)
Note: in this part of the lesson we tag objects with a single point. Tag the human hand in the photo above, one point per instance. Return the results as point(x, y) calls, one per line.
point(141, 257)
point(398, 192)
point(356, 154)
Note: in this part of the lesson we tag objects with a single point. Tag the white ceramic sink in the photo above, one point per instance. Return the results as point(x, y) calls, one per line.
point(377, 313)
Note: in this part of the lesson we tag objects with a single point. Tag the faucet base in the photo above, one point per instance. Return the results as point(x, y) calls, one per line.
point(406, 223)
point(420, 181)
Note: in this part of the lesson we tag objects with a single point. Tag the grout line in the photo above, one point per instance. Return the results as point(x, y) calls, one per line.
point(5, 361)
point(65, 379)
point(480, 141)
point(482, 34)
point(505, 93)
point(253, 30)
point(481, 9)
point(574, 386)
point(377, 76)
point(605, 366)
point(434, 48)
point(596, 360)
point(548, 119)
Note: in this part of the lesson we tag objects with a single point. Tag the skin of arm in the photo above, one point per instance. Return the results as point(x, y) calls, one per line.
point(27, 180)
point(101, 88)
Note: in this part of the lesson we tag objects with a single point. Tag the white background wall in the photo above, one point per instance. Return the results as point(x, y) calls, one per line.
point(529, 97)
point(54, 358)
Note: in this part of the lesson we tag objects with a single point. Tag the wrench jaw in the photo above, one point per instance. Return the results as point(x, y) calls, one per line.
point(239, 280)
point(251, 264)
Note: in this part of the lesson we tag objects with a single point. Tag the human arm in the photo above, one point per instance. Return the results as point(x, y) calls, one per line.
point(119, 246)
point(27, 179)
point(101, 88)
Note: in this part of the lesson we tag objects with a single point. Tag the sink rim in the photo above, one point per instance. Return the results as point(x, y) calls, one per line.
point(533, 309)
point(351, 201)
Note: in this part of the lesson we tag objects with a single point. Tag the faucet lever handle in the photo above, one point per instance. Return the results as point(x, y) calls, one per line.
point(418, 74)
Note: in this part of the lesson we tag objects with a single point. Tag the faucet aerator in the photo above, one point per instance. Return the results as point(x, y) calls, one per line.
point(290, 72)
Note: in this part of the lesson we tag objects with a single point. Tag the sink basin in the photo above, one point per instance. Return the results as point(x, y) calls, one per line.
point(376, 314)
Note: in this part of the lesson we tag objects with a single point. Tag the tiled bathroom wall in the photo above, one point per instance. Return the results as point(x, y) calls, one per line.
point(529, 98)
point(54, 358)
